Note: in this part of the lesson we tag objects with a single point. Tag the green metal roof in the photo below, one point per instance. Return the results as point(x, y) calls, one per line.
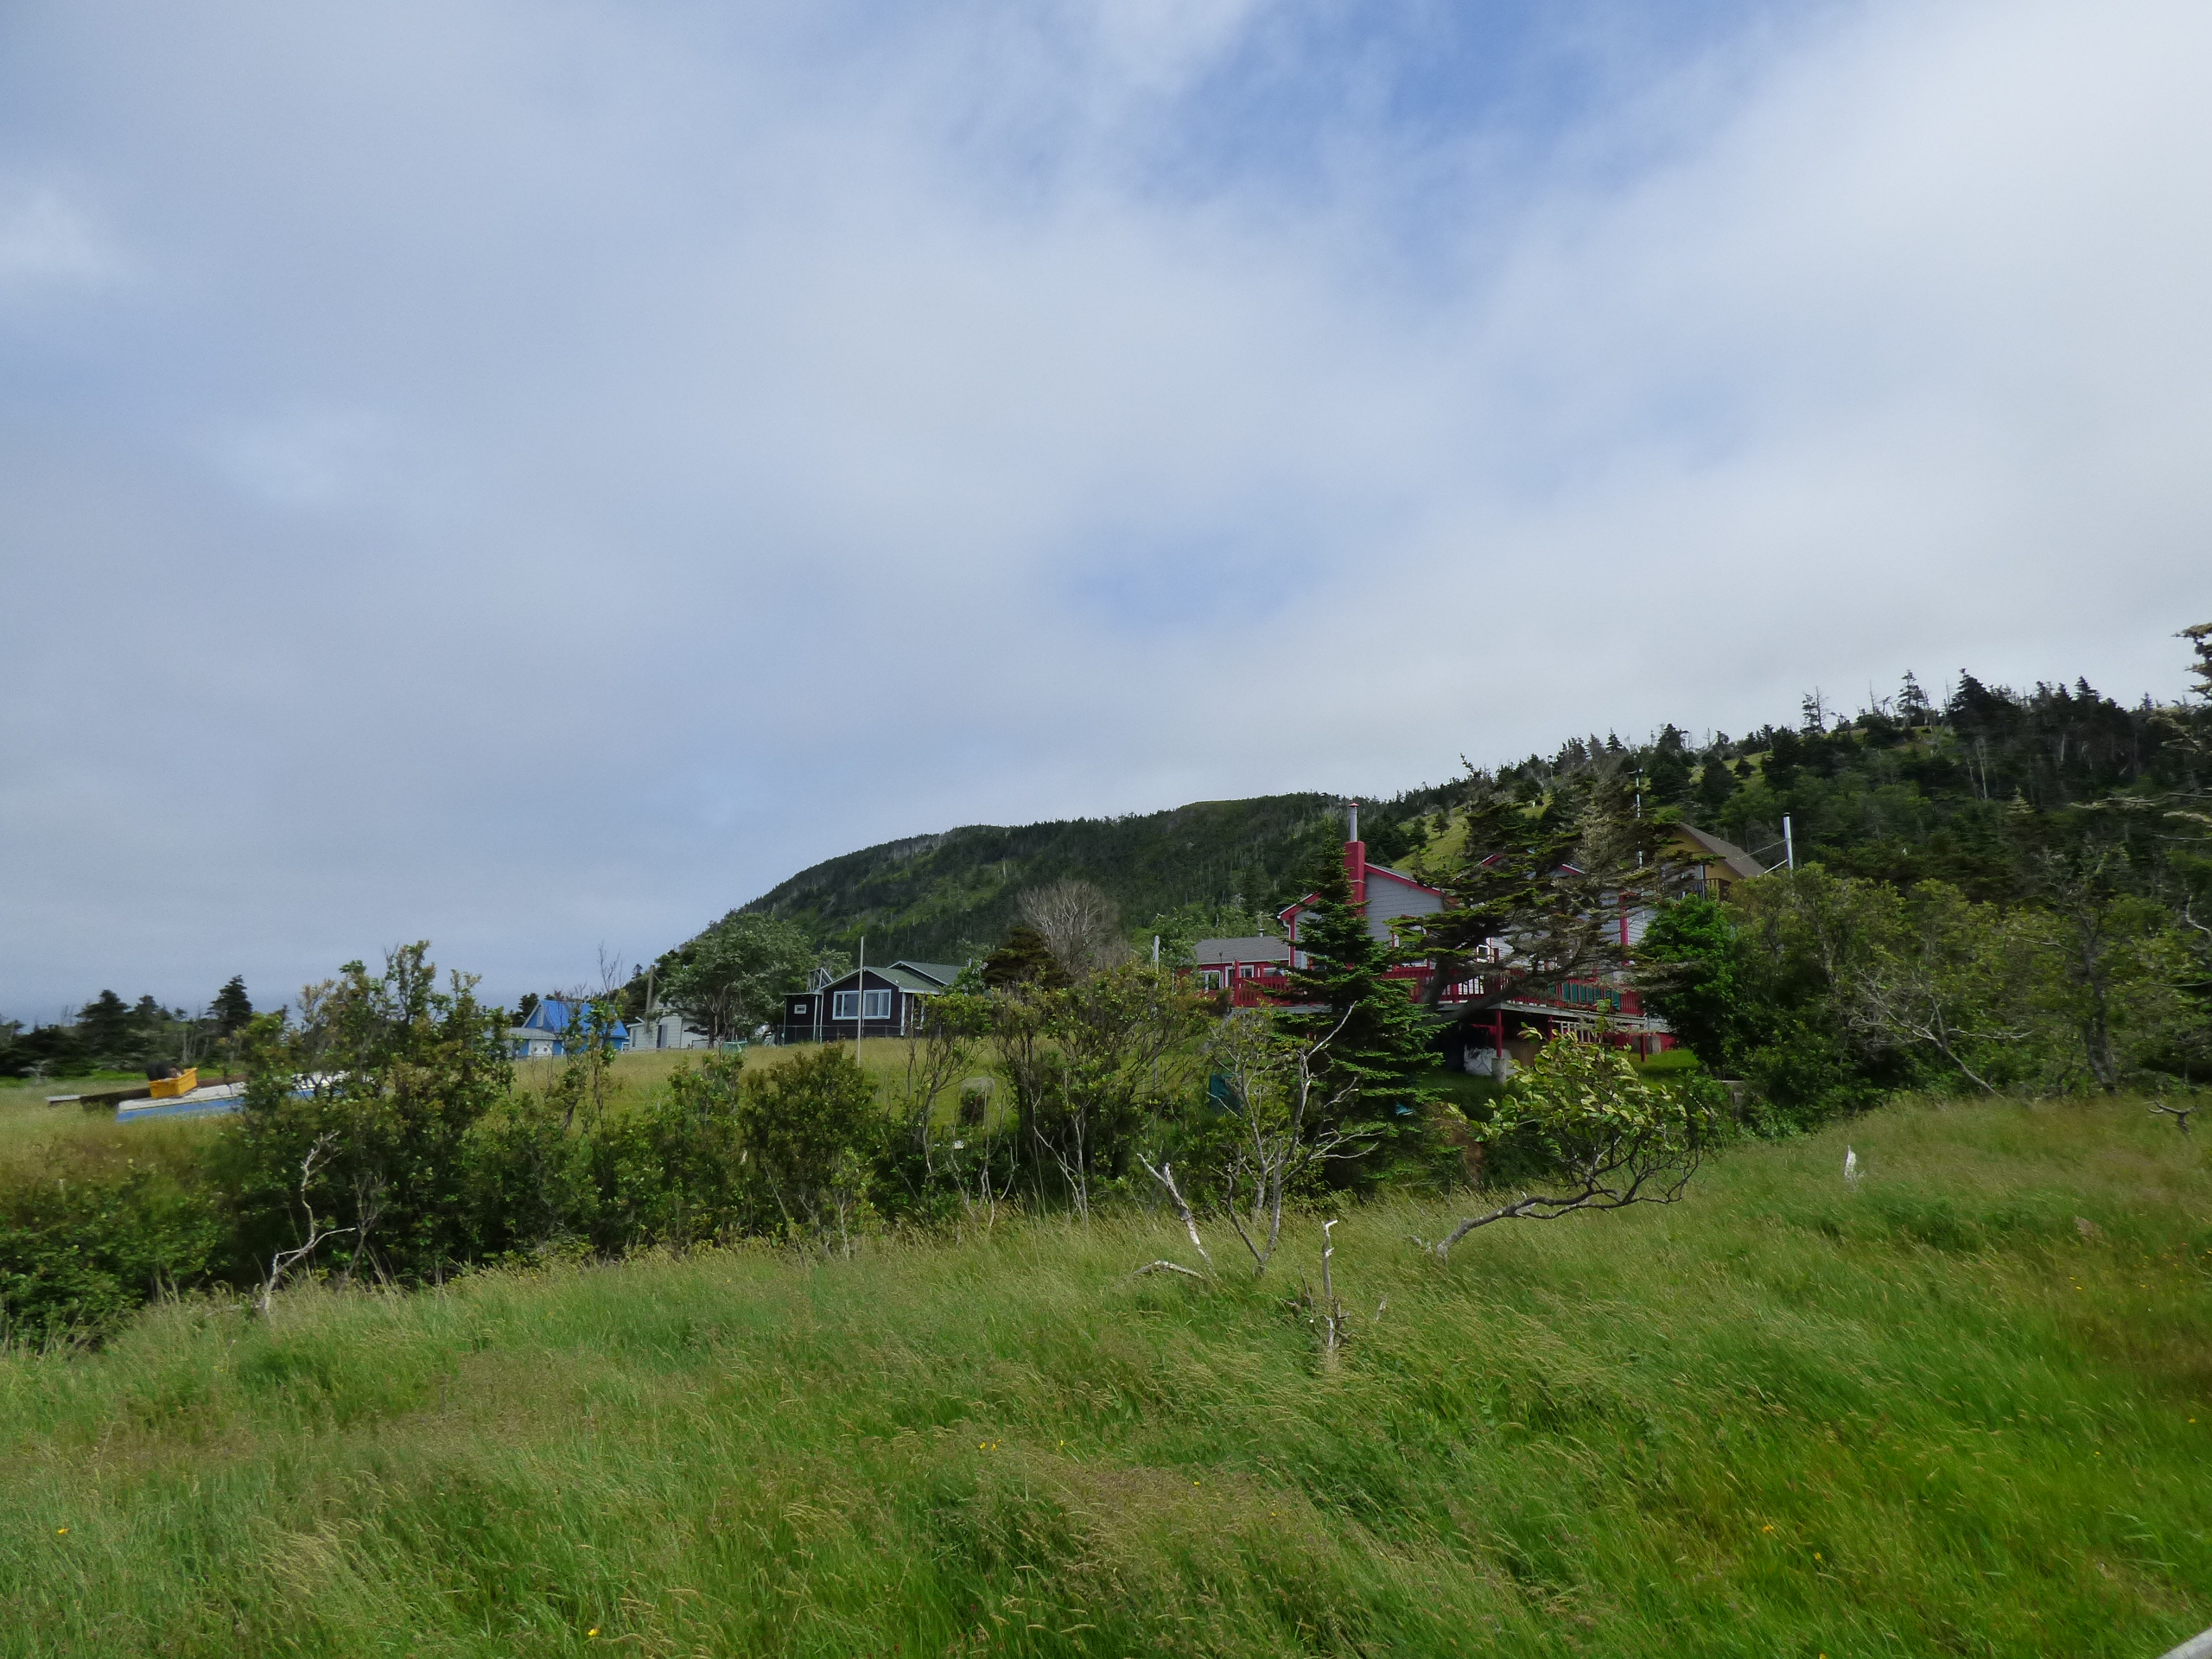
point(943, 972)
point(919, 977)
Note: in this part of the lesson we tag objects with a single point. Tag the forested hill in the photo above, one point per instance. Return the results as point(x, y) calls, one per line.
point(1980, 789)
point(943, 898)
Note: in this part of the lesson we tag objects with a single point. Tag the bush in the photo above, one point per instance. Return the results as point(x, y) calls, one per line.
point(384, 1077)
point(804, 1128)
point(676, 1173)
point(84, 1243)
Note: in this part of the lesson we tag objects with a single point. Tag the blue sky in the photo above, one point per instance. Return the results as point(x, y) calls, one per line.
point(532, 477)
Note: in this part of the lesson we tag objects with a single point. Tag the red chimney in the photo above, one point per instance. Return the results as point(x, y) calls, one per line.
point(1356, 860)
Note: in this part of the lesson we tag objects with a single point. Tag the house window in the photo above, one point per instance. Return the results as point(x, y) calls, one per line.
point(1209, 978)
point(866, 1005)
point(1244, 970)
point(844, 1005)
point(800, 1010)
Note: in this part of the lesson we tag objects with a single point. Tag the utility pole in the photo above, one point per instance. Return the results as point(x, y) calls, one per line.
point(860, 1003)
point(1788, 846)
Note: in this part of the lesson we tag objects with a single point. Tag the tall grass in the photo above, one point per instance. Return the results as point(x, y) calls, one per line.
point(1964, 1410)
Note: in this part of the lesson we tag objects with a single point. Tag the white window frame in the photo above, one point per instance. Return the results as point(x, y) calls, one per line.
point(864, 1005)
point(844, 1005)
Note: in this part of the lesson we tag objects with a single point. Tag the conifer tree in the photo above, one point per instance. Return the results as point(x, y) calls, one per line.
point(1715, 783)
point(1381, 1042)
point(1026, 959)
point(104, 1027)
point(232, 1008)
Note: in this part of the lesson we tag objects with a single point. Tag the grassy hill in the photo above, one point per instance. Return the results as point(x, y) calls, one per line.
point(944, 897)
point(1966, 1410)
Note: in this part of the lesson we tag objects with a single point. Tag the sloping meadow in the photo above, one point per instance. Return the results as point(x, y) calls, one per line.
point(1963, 1408)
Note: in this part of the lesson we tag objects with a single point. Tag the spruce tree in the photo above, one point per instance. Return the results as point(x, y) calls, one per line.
point(1715, 784)
point(232, 1008)
point(1025, 959)
point(103, 1028)
point(1383, 1046)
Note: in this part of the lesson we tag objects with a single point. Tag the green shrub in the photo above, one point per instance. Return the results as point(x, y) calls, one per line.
point(84, 1243)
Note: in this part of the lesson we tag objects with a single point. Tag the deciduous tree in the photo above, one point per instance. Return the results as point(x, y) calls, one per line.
point(387, 1074)
point(1611, 1138)
point(735, 975)
point(1079, 925)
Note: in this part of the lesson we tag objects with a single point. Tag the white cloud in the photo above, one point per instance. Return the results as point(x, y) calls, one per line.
point(598, 461)
point(47, 238)
point(308, 458)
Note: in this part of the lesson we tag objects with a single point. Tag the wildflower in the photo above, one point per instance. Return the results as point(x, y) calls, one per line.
point(593, 1632)
point(1768, 1528)
point(63, 1532)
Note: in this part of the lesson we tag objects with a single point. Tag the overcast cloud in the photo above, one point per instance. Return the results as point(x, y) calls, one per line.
point(533, 476)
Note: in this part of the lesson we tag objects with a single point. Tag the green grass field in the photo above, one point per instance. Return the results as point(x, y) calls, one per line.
point(1965, 1409)
point(28, 1124)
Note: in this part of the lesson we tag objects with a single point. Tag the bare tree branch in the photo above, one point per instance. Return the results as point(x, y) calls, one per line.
point(284, 1260)
point(1164, 1174)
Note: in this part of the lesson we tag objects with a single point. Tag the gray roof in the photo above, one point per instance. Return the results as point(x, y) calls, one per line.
point(1259, 948)
point(1740, 863)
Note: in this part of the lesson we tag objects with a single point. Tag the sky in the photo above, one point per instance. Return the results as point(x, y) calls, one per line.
point(532, 477)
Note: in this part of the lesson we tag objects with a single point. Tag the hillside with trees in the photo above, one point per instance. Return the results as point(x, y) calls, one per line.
point(947, 897)
point(1988, 789)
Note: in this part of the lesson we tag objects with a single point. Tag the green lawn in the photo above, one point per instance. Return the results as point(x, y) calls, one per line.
point(1965, 1409)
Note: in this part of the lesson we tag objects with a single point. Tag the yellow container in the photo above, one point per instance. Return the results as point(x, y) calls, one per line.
point(169, 1088)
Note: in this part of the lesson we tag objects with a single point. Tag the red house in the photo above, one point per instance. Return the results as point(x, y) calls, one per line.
point(1488, 1041)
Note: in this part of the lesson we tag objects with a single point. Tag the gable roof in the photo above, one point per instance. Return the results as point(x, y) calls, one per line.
point(919, 977)
point(1258, 947)
point(1400, 877)
point(552, 1015)
point(943, 972)
point(1740, 863)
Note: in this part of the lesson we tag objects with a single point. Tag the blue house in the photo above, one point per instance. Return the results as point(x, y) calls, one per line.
point(545, 1033)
